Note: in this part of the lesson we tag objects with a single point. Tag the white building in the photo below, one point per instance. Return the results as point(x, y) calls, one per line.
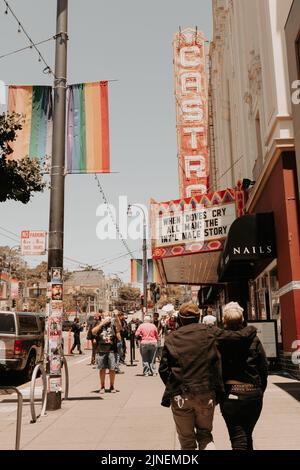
point(253, 140)
point(250, 88)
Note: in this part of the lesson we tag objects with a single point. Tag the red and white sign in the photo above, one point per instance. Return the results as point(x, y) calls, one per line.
point(33, 242)
point(191, 112)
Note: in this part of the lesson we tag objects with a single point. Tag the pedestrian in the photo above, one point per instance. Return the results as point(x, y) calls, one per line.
point(190, 368)
point(157, 323)
point(124, 336)
point(245, 372)
point(91, 337)
point(106, 351)
point(76, 328)
point(118, 317)
point(148, 334)
point(209, 319)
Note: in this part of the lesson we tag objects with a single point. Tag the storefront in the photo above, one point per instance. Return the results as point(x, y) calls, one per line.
point(261, 256)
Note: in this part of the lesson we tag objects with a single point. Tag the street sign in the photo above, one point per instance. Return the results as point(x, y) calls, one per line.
point(33, 242)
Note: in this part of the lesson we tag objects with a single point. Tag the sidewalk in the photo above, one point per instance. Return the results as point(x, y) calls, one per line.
point(133, 418)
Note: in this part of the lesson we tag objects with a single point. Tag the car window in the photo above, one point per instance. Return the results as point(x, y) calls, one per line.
point(27, 324)
point(7, 323)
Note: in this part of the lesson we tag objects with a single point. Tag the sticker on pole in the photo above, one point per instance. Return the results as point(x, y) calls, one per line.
point(33, 242)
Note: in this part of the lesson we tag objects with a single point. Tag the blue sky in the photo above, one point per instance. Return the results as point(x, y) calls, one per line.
point(129, 41)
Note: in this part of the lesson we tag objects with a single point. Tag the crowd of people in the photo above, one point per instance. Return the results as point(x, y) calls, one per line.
point(201, 365)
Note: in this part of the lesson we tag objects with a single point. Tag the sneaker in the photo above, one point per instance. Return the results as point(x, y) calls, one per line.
point(146, 375)
point(101, 391)
point(113, 390)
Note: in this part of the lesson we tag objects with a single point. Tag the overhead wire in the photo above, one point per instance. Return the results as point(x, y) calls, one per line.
point(112, 216)
point(33, 45)
point(17, 239)
point(16, 51)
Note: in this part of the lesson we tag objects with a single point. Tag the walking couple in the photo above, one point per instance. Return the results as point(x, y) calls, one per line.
point(202, 366)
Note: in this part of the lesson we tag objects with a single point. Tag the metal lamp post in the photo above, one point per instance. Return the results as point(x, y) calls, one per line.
point(145, 273)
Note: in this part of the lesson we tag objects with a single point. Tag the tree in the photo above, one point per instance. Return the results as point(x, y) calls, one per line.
point(173, 294)
point(129, 298)
point(18, 178)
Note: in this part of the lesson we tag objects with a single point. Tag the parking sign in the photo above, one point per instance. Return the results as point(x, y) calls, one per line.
point(33, 242)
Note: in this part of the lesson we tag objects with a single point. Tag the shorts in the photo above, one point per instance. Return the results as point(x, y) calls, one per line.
point(106, 360)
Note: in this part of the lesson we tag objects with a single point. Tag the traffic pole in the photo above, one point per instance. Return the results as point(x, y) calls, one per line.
point(57, 194)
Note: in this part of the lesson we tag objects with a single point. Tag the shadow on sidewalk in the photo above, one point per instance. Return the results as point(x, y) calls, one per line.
point(84, 398)
point(38, 400)
point(292, 389)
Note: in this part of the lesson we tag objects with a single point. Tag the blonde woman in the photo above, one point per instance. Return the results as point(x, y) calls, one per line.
point(244, 369)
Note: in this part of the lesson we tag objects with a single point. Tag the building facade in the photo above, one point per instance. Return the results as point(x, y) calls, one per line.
point(253, 140)
point(87, 287)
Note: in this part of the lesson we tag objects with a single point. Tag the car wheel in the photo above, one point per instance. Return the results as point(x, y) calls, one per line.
point(29, 368)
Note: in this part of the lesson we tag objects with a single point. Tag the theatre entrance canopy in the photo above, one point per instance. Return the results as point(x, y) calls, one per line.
point(188, 235)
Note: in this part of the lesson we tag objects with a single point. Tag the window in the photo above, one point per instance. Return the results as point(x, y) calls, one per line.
point(27, 324)
point(7, 323)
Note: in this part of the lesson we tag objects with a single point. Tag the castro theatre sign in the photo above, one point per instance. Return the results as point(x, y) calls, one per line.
point(191, 112)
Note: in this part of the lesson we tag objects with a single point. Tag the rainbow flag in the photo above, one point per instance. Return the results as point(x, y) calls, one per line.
point(137, 272)
point(88, 128)
point(34, 140)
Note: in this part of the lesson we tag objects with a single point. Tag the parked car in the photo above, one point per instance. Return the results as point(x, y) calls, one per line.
point(21, 341)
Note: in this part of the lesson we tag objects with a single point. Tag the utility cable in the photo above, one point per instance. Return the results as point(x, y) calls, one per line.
point(112, 216)
point(26, 47)
point(33, 45)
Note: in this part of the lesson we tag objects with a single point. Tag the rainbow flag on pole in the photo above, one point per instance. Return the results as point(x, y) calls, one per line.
point(137, 272)
point(34, 140)
point(88, 128)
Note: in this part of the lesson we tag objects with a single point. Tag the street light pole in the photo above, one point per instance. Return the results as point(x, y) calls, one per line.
point(56, 218)
point(145, 271)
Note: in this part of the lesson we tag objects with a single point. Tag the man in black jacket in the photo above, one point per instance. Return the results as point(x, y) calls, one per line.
point(76, 328)
point(190, 368)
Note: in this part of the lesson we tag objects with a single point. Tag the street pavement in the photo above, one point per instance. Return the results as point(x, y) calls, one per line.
point(133, 419)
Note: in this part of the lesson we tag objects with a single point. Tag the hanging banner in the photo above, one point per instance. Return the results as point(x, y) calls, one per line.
point(191, 111)
point(137, 271)
point(14, 288)
point(34, 103)
point(3, 285)
point(88, 128)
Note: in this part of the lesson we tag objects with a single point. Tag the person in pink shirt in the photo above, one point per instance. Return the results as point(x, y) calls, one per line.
point(148, 333)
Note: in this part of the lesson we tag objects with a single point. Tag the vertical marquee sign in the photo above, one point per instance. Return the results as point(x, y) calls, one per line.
point(191, 112)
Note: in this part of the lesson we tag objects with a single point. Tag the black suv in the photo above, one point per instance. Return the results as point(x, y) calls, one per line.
point(21, 341)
